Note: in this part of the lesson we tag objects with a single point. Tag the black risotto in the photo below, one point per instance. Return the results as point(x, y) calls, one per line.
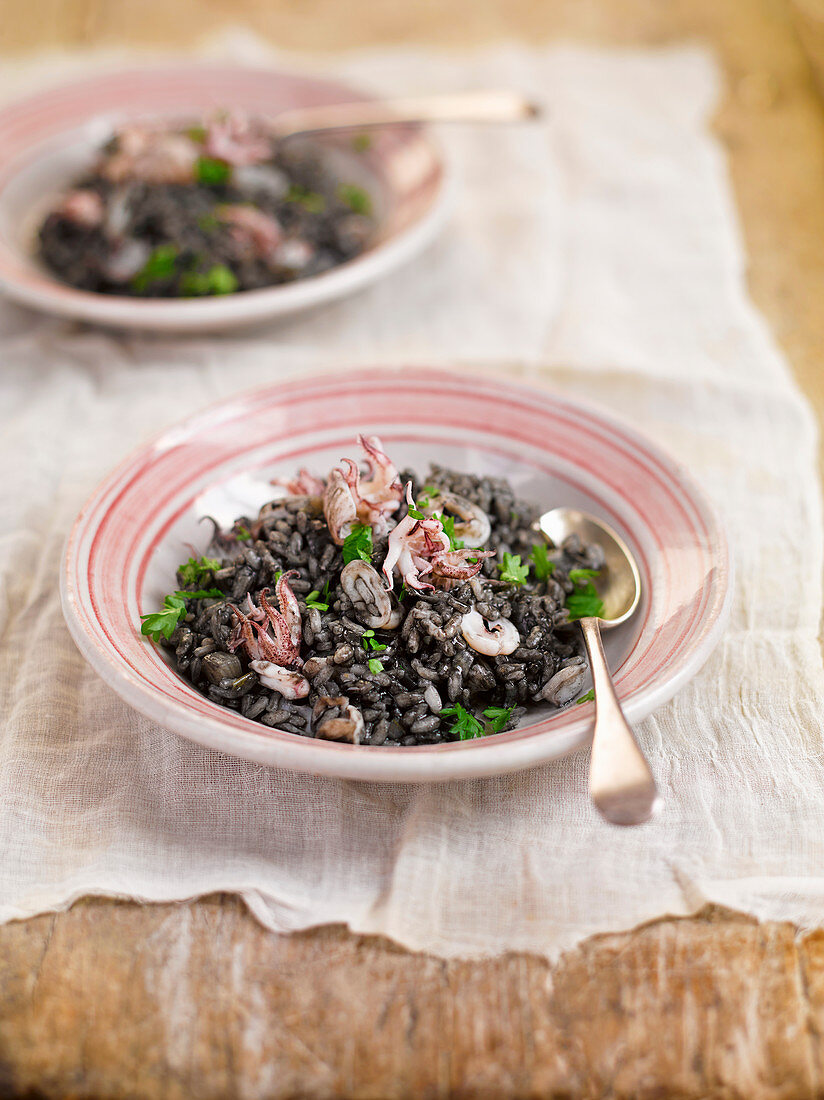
point(205, 210)
point(381, 608)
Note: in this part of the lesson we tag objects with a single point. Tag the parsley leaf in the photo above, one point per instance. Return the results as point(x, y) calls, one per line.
point(543, 566)
point(313, 601)
point(369, 641)
point(243, 534)
point(375, 665)
point(466, 726)
point(197, 134)
point(448, 524)
point(219, 279)
point(162, 624)
point(311, 201)
point(511, 569)
point(327, 592)
point(414, 512)
point(195, 568)
point(578, 575)
point(498, 717)
point(588, 698)
point(355, 198)
point(584, 603)
point(212, 172)
point(159, 266)
point(358, 543)
point(361, 142)
point(403, 591)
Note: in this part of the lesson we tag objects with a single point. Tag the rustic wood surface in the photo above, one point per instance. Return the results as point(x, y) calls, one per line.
point(117, 1000)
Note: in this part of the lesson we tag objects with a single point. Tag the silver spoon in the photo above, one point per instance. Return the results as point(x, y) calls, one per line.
point(481, 106)
point(620, 781)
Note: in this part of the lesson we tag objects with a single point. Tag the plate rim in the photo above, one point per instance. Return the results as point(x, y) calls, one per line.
point(426, 763)
point(249, 307)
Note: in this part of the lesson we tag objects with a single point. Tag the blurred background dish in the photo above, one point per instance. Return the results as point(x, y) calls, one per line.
point(52, 139)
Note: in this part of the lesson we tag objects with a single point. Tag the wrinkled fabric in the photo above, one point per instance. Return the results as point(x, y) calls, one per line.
point(596, 252)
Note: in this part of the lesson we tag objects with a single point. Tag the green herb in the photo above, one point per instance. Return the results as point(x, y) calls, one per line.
point(369, 641)
point(448, 524)
point(498, 717)
point(375, 665)
point(584, 603)
point(415, 513)
point(243, 534)
point(313, 601)
point(219, 279)
point(162, 624)
point(311, 201)
point(197, 133)
point(355, 198)
point(208, 223)
point(511, 569)
point(588, 698)
point(403, 591)
point(327, 592)
point(358, 543)
point(579, 575)
point(543, 566)
point(361, 142)
point(212, 172)
point(466, 726)
point(159, 266)
point(195, 568)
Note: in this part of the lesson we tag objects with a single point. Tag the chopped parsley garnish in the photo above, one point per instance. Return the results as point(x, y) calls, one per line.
point(197, 133)
point(208, 223)
point(212, 172)
point(369, 641)
point(243, 534)
point(361, 142)
point(162, 624)
point(327, 592)
point(579, 575)
point(159, 266)
point(511, 569)
point(543, 566)
point(219, 279)
point(414, 512)
point(312, 601)
point(584, 602)
point(498, 717)
point(355, 198)
point(588, 698)
point(311, 201)
point(448, 524)
point(375, 665)
point(466, 725)
point(358, 543)
point(195, 568)
point(403, 591)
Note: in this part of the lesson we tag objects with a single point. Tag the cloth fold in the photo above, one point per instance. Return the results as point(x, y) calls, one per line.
point(596, 253)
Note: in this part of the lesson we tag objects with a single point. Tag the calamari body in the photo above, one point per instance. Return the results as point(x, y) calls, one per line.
point(419, 548)
point(84, 207)
point(236, 139)
point(371, 500)
point(493, 639)
point(472, 526)
point(290, 684)
point(255, 233)
point(305, 484)
point(154, 156)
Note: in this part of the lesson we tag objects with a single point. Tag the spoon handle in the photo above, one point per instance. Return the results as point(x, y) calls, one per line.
point(481, 106)
point(620, 781)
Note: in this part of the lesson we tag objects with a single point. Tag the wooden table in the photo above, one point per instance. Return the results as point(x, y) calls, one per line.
point(196, 1000)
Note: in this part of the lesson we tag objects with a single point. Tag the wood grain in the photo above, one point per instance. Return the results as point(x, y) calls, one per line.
point(117, 1000)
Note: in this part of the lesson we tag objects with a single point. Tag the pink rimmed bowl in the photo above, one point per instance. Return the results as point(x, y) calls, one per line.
point(141, 522)
point(51, 138)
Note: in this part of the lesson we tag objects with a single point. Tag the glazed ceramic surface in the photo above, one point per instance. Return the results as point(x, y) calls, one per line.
point(50, 139)
point(143, 520)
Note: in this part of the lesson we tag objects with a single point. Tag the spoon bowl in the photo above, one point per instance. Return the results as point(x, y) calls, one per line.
point(619, 582)
point(621, 783)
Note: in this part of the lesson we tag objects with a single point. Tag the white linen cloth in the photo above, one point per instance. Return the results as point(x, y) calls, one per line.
point(597, 253)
